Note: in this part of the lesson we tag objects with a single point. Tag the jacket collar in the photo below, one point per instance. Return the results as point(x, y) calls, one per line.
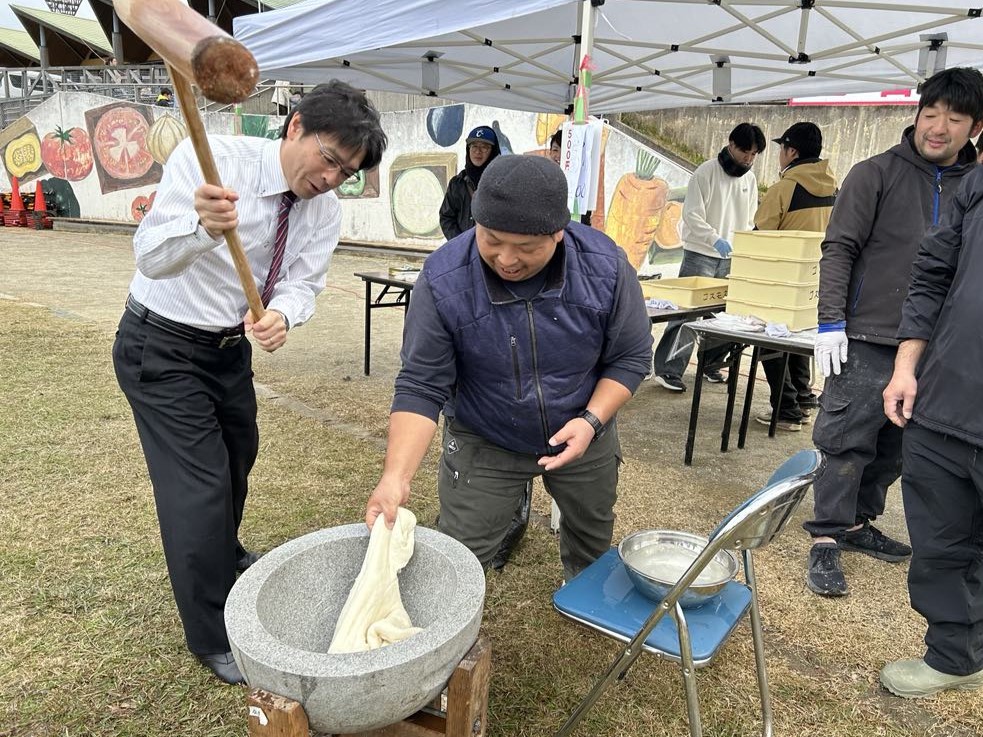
point(907, 151)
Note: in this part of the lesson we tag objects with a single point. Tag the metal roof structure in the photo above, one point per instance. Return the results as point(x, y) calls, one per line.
point(65, 39)
point(65, 7)
point(17, 49)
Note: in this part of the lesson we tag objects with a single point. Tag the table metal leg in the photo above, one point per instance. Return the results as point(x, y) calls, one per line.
point(368, 325)
point(748, 396)
point(694, 412)
point(733, 373)
point(778, 405)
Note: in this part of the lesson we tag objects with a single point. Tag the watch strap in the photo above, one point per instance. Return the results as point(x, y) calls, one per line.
point(594, 422)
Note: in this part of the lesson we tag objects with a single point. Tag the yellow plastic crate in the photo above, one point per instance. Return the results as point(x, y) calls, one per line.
point(687, 291)
point(796, 271)
point(779, 243)
point(794, 318)
point(780, 294)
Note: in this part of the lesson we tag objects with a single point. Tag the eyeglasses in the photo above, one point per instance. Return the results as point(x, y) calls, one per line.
point(331, 162)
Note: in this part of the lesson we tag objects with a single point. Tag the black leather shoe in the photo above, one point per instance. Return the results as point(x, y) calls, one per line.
point(246, 560)
point(223, 665)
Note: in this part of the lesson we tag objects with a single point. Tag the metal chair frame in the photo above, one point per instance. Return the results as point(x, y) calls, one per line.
point(753, 524)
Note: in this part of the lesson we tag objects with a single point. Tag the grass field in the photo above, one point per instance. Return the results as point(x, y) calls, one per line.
point(90, 643)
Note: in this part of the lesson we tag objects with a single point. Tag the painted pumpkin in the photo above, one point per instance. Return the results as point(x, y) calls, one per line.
point(23, 155)
point(67, 153)
point(164, 136)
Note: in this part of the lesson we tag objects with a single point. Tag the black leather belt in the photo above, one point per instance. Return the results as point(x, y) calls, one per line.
point(225, 338)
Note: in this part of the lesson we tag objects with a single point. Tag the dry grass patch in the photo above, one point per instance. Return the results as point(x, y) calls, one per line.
point(91, 643)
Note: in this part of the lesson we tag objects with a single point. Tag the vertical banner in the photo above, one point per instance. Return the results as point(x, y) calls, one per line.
point(580, 159)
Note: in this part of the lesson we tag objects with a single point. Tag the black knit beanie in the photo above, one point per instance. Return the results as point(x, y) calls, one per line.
point(522, 194)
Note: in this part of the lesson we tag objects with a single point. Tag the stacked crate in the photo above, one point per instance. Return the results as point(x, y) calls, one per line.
point(774, 276)
point(687, 291)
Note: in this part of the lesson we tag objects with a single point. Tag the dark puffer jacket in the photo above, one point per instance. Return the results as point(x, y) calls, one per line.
point(520, 369)
point(886, 205)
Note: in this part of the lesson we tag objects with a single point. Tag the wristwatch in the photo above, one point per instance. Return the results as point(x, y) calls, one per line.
point(594, 422)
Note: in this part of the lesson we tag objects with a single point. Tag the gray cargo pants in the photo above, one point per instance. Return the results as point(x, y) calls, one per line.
point(862, 447)
point(480, 485)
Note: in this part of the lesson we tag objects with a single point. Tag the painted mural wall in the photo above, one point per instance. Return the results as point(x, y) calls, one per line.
point(102, 159)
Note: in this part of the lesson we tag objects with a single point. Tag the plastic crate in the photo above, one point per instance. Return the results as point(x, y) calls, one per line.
point(794, 318)
point(687, 291)
point(780, 294)
point(795, 271)
point(797, 244)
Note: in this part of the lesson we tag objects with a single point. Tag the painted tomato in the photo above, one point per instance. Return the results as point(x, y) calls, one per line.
point(67, 153)
point(141, 206)
point(121, 143)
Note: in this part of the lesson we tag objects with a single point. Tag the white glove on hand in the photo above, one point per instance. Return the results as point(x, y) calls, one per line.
point(831, 351)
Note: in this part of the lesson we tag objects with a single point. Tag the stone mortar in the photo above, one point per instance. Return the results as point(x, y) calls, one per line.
point(281, 615)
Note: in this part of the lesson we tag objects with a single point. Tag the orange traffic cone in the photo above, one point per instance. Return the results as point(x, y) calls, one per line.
point(40, 214)
point(14, 218)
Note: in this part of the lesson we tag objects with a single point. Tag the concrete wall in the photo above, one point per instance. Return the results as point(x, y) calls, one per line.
point(850, 134)
point(110, 164)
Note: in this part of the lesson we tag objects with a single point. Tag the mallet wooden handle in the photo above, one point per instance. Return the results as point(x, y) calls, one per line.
point(196, 130)
point(222, 68)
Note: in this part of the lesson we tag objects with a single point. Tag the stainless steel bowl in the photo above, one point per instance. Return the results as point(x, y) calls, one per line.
point(656, 560)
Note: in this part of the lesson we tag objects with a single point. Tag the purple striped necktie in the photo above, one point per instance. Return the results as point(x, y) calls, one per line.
point(279, 244)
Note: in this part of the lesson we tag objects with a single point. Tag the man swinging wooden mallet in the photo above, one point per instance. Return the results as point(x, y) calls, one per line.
point(180, 356)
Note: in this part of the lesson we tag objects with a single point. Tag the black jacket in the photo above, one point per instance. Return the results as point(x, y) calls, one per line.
point(883, 210)
point(455, 211)
point(945, 307)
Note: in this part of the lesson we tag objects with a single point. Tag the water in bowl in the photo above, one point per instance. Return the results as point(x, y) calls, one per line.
point(669, 562)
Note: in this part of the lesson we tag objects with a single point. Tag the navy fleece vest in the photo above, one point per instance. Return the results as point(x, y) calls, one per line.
point(525, 368)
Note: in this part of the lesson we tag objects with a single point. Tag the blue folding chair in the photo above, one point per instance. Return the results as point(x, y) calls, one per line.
point(603, 598)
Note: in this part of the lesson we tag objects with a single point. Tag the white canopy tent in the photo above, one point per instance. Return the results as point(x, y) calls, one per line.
point(647, 54)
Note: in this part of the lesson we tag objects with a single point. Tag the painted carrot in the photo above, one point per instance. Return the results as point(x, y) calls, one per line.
point(636, 208)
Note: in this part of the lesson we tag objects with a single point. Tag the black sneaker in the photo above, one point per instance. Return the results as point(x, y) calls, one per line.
point(871, 541)
point(672, 383)
point(825, 577)
point(714, 376)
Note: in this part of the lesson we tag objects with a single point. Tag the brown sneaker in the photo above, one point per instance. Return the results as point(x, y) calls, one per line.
point(786, 425)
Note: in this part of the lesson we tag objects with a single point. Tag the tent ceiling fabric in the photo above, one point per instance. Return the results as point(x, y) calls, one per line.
point(647, 54)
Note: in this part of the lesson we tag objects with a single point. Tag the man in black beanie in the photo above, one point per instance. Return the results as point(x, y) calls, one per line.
point(534, 328)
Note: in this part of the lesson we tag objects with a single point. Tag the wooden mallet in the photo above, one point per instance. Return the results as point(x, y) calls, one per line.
point(198, 51)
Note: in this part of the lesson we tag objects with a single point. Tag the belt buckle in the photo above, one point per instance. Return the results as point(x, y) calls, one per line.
point(228, 341)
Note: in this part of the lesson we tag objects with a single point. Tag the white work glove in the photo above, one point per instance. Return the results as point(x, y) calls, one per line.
point(831, 348)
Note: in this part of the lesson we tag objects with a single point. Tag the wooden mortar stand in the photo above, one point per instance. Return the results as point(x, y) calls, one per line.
point(466, 713)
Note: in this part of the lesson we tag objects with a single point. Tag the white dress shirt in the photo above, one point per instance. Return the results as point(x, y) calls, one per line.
point(186, 276)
